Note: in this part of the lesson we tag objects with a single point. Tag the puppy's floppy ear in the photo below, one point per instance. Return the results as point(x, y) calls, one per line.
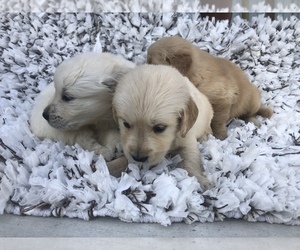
point(112, 81)
point(188, 117)
point(182, 61)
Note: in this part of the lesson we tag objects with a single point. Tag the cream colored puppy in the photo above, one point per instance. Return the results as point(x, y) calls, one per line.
point(227, 87)
point(159, 113)
point(77, 106)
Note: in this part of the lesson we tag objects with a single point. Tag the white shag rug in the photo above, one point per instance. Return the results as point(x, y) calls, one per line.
point(256, 170)
point(95, 6)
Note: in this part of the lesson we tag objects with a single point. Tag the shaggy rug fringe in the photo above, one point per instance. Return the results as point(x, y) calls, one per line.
point(256, 170)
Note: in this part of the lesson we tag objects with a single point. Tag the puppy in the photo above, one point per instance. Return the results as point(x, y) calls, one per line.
point(160, 112)
point(76, 107)
point(224, 83)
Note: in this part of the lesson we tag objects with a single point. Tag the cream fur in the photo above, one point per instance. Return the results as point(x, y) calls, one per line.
point(159, 113)
point(77, 104)
point(224, 83)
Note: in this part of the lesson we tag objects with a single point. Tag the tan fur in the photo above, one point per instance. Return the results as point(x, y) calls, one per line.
point(150, 98)
point(77, 106)
point(224, 83)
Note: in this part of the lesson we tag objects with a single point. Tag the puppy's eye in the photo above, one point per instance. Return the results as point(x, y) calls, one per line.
point(126, 125)
point(159, 128)
point(67, 98)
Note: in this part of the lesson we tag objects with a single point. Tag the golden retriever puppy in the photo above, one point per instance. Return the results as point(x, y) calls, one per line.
point(160, 113)
point(77, 106)
point(224, 83)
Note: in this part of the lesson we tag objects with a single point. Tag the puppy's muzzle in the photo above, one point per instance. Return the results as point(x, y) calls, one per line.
point(54, 120)
point(139, 158)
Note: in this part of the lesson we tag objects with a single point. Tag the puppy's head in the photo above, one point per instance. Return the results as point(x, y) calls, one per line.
point(153, 108)
point(84, 86)
point(174, 51)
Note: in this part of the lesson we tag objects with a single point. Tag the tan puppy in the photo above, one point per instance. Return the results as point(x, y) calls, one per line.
point(159, 113)
point(224, 83)
point(77, 106)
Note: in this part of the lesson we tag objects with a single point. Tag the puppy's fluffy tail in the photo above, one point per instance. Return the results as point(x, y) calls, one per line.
point(265, 111)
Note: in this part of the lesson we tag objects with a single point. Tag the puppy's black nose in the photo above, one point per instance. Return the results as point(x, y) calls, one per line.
point(46, 114)
point(139, 158)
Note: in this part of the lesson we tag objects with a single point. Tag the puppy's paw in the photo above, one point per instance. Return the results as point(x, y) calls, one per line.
point(117, 166)
point(254, 120)
point(107, 153)
point(207, 185)
point(219, 129)
point(222, 135)
point(204, 182)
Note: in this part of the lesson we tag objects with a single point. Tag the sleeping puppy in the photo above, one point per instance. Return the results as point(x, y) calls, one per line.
point(76, 107)
point(224, 83)
point(160, 112)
